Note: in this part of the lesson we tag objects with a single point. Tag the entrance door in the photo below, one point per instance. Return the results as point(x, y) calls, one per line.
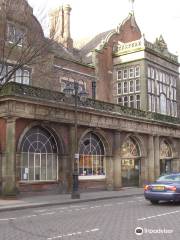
point(130, 170)
point(165, 166)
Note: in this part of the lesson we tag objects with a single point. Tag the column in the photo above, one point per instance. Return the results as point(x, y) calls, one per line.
point(144, 175)
point(109, 173)
point(63, 173)
point(9, 160)
point(150, 159)
point(156, 157)
point(70, 163)
point(117, 162)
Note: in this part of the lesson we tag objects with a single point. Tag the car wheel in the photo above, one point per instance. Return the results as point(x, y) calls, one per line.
point(154, 202)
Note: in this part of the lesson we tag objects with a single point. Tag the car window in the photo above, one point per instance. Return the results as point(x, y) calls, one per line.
point(169, 178)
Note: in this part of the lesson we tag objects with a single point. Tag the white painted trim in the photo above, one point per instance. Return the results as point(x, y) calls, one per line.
point(92, 177)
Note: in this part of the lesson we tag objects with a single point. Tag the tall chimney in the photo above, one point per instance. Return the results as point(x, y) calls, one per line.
point(60, 26)
point(56, 23)
point(68, 42)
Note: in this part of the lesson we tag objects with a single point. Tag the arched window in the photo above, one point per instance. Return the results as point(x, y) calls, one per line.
point(91, 161)
point(165, 158)
point(165, 150)
point(39, 156)
point(130, 149)
point(130, 162)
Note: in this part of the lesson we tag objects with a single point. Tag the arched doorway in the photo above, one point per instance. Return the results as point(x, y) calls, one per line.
point(130, 163)
point(165, 158)
point(39, 156)
point(91, 157)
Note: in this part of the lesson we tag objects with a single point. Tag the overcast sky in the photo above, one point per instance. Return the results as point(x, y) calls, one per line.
point(88, 18)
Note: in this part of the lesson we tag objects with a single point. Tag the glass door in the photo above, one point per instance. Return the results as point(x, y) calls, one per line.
point(165, 166)
point(130, 170)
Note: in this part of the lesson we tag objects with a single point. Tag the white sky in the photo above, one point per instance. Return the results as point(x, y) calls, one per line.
point(88, 18)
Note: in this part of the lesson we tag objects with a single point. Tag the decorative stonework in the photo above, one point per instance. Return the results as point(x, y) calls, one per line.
point(158, 48)
point(52, 97)
point(93, 113)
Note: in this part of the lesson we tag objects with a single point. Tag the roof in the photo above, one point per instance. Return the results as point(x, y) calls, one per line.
point(128, 31)
point(60, 51)
point(91, 45)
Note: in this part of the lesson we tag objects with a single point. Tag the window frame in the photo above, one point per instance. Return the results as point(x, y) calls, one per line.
point(131, 72)
point(137, 71)
point(137, 80)
point(119, 72)
point(17, 31)
point(125, 87)
point(125, 73)
point(138, 101)
point(131, 87)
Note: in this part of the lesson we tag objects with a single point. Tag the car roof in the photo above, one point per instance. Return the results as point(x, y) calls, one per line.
point(171, 174)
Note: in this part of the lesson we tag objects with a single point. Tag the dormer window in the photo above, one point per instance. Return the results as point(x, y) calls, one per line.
point(15, 35)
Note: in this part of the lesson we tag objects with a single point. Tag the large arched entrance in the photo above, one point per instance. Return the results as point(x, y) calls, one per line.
point(39, 156)
point(165, 157)
point(92, 157)
point(130, 163)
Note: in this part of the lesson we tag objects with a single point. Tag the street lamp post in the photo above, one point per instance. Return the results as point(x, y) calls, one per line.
point(69, 90)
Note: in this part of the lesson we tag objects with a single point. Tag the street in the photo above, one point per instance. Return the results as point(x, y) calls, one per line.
point(114, 219)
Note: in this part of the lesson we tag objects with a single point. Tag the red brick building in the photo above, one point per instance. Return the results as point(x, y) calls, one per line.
point(128, 128)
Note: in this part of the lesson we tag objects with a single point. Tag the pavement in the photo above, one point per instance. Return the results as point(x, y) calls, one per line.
point(62, 199)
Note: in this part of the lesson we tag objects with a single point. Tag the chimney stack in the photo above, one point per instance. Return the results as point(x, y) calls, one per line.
point(60, 26)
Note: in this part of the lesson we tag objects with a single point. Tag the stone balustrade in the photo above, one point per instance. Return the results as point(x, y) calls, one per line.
point(35, 93)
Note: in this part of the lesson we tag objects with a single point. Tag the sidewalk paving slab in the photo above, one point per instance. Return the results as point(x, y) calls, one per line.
point(63, 199)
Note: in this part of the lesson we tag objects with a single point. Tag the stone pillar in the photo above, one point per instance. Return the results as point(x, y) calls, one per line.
point(156, 157)
point(175, 165)
point(63, 173)
point(71, 151)
point(109, 173)
point(151, 159)
point(117, 162)
point(178, 165)
point(9, 160)
point(143, 176)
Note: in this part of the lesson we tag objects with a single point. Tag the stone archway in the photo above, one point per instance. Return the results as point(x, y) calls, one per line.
point(38, 156)
point(166, 157)
point(130, 162)
point(92, 156)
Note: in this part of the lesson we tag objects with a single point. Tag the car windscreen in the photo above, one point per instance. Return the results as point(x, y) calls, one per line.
point(169, 178)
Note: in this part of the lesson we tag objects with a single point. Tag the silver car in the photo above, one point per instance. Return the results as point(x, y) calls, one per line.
point(165, 188)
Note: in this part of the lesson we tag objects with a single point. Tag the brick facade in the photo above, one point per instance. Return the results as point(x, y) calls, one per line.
point(42, 107)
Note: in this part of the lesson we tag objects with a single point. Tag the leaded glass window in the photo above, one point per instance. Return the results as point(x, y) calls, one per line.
point(39, 156)
point(130, 149)
point(165, 150)
point(91, 159)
